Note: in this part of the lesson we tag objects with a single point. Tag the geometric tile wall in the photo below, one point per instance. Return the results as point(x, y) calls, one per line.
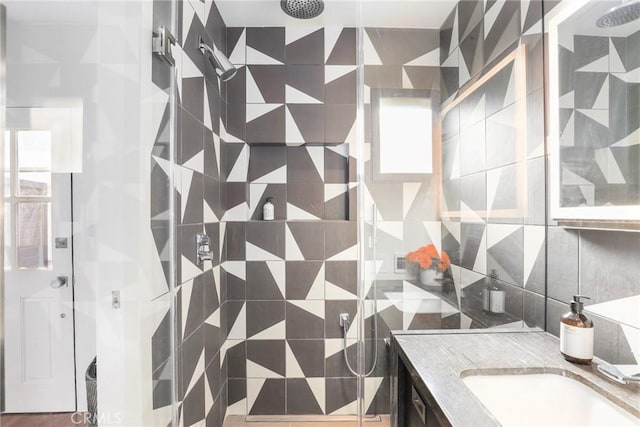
point(290, 117)
point(599, 137)
point(293, 276)
point(257, 328)
point(200, 300)
point(296, 93)
point(283, 283)
point(493, 173)
point(160, 190)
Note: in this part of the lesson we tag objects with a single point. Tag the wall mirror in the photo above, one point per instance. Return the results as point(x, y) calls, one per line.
point(594, 112)
point(484, 140)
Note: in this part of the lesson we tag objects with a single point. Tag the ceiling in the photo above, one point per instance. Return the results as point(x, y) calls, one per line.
point(583, 21)
point(52, 11)
point(343, 13)
point(262, 13)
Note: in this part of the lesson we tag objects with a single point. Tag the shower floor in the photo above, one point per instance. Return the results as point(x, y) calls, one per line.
point(303, 421)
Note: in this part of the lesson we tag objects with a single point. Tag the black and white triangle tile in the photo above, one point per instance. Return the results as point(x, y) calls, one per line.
point(305, 358)
point(505, 244)
point(265, 280)
point(266, 320)
point(340, 46)
point(305, 280)
point(305, 396)
point(265, 241)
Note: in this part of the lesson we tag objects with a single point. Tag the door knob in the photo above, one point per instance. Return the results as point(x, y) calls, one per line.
point(60, 282)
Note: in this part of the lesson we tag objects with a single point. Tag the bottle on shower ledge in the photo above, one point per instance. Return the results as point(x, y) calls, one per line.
point(268, 210)
point(493, 296)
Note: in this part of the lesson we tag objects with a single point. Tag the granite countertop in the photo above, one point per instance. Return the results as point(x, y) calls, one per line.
point(438, 360)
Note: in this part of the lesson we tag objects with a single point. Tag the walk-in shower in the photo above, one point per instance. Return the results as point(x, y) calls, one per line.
point(287, 319)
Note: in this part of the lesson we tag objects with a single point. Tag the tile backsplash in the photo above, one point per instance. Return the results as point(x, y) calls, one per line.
point(605, 266)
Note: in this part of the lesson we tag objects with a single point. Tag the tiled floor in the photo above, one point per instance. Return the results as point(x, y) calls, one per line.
point(42, 420)
point(239, 421)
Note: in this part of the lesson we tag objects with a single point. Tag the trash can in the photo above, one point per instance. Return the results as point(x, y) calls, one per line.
point(91, 377)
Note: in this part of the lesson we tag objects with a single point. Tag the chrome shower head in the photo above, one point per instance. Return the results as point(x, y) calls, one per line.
point(224, 68)
point(620, 15)
point(302, 9)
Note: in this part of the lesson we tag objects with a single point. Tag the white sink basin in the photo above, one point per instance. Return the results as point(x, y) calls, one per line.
point(546, 400)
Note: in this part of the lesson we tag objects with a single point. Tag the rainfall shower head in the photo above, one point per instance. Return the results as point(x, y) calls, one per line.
point(224, 68)
point(620, 15)
point(302, 9)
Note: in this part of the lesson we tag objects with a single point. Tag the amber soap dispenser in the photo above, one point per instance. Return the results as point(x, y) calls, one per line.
point(576, 333)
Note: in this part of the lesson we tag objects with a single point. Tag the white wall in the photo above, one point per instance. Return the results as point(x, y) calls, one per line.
point(129, 113)
point(105, 61)
point(54, 64)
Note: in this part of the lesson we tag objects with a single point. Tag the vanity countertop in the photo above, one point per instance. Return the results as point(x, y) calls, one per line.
point(438, 360)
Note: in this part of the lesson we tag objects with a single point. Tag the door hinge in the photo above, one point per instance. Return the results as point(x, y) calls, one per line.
point(162, 42)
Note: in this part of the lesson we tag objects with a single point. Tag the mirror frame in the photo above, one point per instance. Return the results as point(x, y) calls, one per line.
point(518, 57)
point(600, 214)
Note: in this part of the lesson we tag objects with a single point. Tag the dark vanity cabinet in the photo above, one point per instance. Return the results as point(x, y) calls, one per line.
point(410, 402)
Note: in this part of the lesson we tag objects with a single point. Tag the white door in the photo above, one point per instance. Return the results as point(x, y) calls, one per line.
point(39, 341)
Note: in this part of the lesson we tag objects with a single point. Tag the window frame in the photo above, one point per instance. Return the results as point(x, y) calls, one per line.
point(376, 96)
point(13, 199)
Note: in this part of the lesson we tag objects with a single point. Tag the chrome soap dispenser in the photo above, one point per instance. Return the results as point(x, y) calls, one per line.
point(576, 333)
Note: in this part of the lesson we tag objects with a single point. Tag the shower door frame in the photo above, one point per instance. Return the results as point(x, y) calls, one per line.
point(3, 87)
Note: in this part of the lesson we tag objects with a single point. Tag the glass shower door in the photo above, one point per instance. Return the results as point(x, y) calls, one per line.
point(89, 197)
point(451, 177)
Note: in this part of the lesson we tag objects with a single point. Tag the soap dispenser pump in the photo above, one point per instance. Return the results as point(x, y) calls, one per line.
point(576, 333)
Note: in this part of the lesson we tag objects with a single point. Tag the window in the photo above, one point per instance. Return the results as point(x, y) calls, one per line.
point(28, 199)
point(402, 134)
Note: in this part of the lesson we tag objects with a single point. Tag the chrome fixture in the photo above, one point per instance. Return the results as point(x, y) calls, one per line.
point(622, 374)
point(302, 9)
point(203, 248)
point(60, 282)
point(622, 14)
point(161, 44)
point(344, 320)
point(224, 68)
